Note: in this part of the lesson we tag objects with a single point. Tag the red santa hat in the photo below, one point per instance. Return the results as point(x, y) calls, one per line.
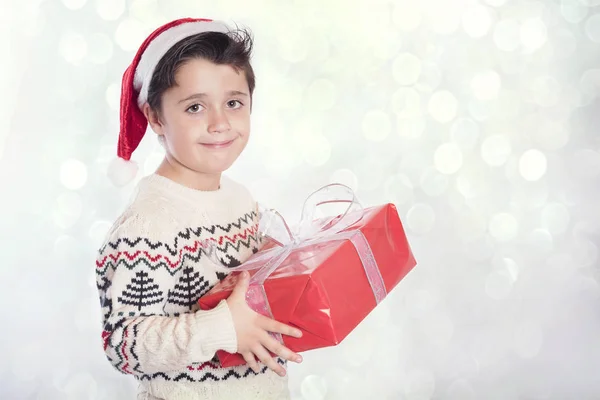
point(136, 79)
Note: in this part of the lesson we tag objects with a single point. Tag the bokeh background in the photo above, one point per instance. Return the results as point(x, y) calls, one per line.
point(478, 119)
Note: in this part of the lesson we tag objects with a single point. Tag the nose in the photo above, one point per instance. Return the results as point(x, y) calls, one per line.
point(218, 121)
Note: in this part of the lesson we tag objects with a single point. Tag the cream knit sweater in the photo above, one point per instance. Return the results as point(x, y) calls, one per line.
point(150, 273)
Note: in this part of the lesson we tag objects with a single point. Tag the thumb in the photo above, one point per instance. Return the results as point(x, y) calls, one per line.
point(241, 286)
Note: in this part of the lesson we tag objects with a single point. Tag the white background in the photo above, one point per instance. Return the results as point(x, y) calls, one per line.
point(478, 119)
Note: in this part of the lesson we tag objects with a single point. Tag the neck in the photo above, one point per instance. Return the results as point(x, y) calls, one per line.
point(193, 179)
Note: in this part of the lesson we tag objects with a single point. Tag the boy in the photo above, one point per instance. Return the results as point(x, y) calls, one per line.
point(192, 82)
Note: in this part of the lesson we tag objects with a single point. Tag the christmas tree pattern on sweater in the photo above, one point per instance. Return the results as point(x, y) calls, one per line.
point(146, 262)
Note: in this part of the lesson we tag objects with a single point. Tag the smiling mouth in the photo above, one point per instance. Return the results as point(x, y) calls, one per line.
point(218, 145)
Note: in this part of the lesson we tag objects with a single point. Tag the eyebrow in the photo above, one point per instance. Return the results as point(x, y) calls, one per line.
point(203, 95)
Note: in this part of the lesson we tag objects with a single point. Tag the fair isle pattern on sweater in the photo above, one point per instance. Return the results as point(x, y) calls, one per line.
point(153, 269)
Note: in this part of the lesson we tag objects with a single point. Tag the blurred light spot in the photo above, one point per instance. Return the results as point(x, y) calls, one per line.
point(498, 285)
point(419, 385)
point(486, 85)
point(398, 189)
point(460, 389)
point(495, 150)
point(573, 11)
point(433, 183)
point(313, 387)
point(476, 21)
point(504, 227)
point(153, 160)
point(410, 127)
point(438, 328)
point(98, 232)
point(420, 218)
point(472, 226)
point(407, 16)
point(145, 10)
point(444, 19)
point(550, 135)
point(317, 150)
point(294, 48)
point(110, 10)
point(540, 241)
point(448, 158)
point(113, 96)
point(533, 34)
point(464, 132)
point(585, 164)
point(65, 247)
point(370, 172)
point(443, 106)
point(556, 218)
point(73, 174)
point(81, 385)
point(376, 125)
point(406, 69)
point(359, 347)
point(585, 253)
point(507, 35)
point(73, 47)
point(546, 91)
point(528, 339)
point(430, 78)
point(496, 3)
point(564, 43)
point(508, 265)
point(101, 48)
point(532, 165)
point(346, 177)
point(67, 210)
point(321, 95)
point(130, 34)
point(592, 28)
point(406, 102)
point(74, 4)
point(289, 96)
point(589, 85)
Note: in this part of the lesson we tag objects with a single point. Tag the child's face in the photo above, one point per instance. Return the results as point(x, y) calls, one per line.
point(209, 106)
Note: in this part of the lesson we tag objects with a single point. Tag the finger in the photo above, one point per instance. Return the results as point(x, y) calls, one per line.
point(264, 356)
point(251, 361)
point(271, 325)
point(279, 349)
point(241, 286)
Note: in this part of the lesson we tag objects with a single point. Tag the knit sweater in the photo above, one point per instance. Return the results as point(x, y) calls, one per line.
point(151, 271)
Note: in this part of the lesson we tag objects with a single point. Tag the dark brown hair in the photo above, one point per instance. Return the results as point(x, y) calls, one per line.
point(233, 48)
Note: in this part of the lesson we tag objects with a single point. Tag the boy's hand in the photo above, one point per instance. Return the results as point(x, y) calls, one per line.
point(252, 331)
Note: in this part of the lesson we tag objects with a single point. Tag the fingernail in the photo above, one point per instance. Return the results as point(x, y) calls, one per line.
point(282, 373)
point(299, 333)
point(298, 359)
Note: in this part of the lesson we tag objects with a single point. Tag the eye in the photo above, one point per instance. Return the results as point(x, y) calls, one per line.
point(194, 108)
point(234, 104)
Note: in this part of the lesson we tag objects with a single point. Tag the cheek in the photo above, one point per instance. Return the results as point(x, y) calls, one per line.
point(242, 123)
point(183, 129)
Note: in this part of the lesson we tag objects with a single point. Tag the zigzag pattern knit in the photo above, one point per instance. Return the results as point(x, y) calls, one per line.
point(151, 271)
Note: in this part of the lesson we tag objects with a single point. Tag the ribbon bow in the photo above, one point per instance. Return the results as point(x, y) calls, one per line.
point(311, 229)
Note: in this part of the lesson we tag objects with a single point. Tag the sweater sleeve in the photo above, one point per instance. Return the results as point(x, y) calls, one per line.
point(134, 274)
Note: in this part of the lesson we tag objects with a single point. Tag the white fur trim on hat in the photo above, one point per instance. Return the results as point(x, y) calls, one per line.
point(159, 47)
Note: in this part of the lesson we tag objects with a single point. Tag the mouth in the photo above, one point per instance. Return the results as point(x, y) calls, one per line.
point(218, 145)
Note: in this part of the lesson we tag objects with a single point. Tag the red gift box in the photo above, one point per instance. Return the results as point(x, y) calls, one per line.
point(323, 288)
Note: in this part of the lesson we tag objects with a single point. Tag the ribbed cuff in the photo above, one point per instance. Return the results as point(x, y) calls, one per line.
point(214, 330)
